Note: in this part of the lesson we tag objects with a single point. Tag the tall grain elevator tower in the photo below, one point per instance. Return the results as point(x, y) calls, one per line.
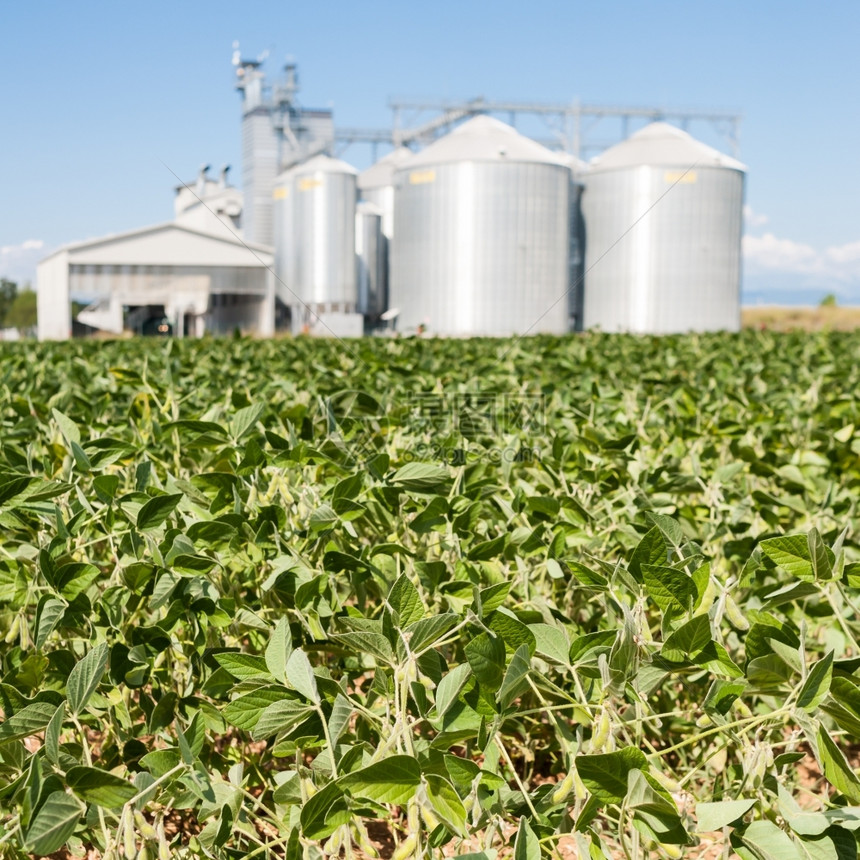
point(276, 133)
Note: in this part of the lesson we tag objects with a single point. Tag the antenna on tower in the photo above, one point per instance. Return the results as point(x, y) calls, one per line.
point(237, 54)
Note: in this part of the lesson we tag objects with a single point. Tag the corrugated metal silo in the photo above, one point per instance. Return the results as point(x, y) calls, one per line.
point(283, 200)
point(370, 247)
point(376, 185)
point(663, 218)
point(323, 213)
point(481, 235)
point(576, 257)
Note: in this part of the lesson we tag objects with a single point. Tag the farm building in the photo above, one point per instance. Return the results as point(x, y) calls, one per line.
point(468, 226)
point(186, 277)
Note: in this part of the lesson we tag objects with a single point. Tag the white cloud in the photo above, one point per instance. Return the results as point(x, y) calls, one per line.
point(18, 262)
point(845, 255)
point(833, 269)
point(27, 245)
point(754, 219)
point(782, 255)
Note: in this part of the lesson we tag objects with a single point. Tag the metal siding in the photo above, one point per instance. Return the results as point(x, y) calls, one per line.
point(482, 249)
point(371, 254)
point(383, 197)
point(284, 238)
point(676, 264)
point(53, 303)
point(324, 213)
point(259, 169)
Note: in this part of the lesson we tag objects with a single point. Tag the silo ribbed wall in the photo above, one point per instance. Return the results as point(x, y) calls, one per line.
point(481, 247)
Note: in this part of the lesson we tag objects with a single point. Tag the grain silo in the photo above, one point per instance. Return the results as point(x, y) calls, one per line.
point(283, 199)
point(370, 246)
point(376, 185)
point(576, 254)
point(376, 189)
point(323, 269)
point(663, 217)
point(481, 235)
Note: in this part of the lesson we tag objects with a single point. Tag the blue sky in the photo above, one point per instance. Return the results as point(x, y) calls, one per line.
point(96, 95)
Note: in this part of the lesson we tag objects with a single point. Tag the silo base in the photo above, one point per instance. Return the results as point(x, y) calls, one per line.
point(333, 324)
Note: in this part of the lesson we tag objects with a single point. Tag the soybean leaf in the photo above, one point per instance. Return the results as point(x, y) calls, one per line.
point(75, 578)
point(85, 677)
point(651, 550)
point(244, 711)
point(341, 714)
point(669, 528)
point(327, 810)
point(393, 780)
point(446, 803)
point(512, 630)
point(49, 612)
point(405, 601)
point(279, 717)
point(669, 588)
point(551, 642)
point(428, 630)
point(278, 650)
point(716, 815)
point(54, 823)
point(52, 735)
point(655, 812)
point(835, 843)
point(28, 721)
point(817, 684)
point(486, 656)
point(526, 846)
point(450, 686)
point(688, 639)
point(791, 553)
point(422, 478)
point(300, 674)
point(245, 419)
point(68, 428)
point(100, 787)
point(493, 596)
point(605, 775)
point(245, 667)
point(836, 767)
point(515, 681)
point(821, 555)
point(768, 842)
point(184, 746)
point(157, 510)
point(374, 644)
point(803, 822)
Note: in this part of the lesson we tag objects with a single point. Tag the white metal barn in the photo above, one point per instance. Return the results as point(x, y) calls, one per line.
point(189, 276)
point(200, 281)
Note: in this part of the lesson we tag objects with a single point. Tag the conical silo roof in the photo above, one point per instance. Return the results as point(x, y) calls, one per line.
point(323, 164)
point(483, 138)
point(577, 166)
point(662, 145)
point(382, 173)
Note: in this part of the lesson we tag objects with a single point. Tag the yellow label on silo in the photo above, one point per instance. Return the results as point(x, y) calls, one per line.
point(308, 183)
point(281, 193)
point(421, 177)
point(680, 177)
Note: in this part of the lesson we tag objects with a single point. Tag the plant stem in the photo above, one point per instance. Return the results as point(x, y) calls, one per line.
point(747, 721)
point(519, 782)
